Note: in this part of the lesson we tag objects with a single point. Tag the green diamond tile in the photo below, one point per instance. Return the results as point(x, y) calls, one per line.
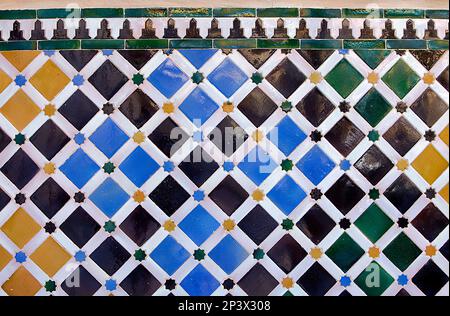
point(401, 78)
point(373, 57)
point(402, 251)
point(374, 223)
point(345, 252)
point(374, 280)
point(373, 107)
point(344, 70)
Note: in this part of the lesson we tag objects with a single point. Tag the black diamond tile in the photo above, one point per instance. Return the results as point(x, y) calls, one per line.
point(315, 107)
point(402, 193)
point(257, 57)
point(430, 222)
point(199, 166)
point(78, 58)
point(316, 281)
point(443, 78)
point(80, 283)
point(286, 77)
point(138, 108)
point(344, 136)
point(110, 255)
point(140, 282)
point(258, 224)
point(287, 253)
point(140, 225)
point(20, 169)
point(80, 227)
point(108, 79)
point(429, 107)
point(161, 137)
point(138, 58)
point(258, 281)
point(374, 165)
point(427, 58)
point(228, 136)
point(445, 250)
point(315, 57)
point(4, 140)
point(402, 136)
point(403, 293)
point(229, 195)
point(344, 194)
point(50, 197)
point(430, 279)
point(257, 107)
point(169, 195)
point(4, 199)
point(345, 293)
point(78, 109)
point(49, 139)
point(316, 224)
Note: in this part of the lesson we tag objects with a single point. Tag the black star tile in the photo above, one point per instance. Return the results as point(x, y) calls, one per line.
point(140, 225)
point(108, 80)
point(138, 108)
point(257, 107)
point(78, 58)
point(258, 281)
point(402, 193)
point(4, 199)
point(430, 279)
point(286, 77)
point(315, 57)
point(344, 136)
point(257, 57)
point(80, 283)
point(229, 195)
point(20, 169)
point(20, 198)
point(4, 140)
point(402, 136)
point(258, 224)
point(344, 194)
point(374, 165)
point(315, 107)
point(110, 256)
point(138, 58)
point(443, 78)
point(140, 282)
point(169, 195)
point(170, 284)
point(50, 197)
point(50, 227)
point(287, 253)
point(161, 137)
point(316, 281)
point(228, 136)
point(78, 109)
point(316, 224)
point(80, 227)
point(430, 222)
point(429, 107)
point(228, 284)
point(198, 166)
point(49, 139)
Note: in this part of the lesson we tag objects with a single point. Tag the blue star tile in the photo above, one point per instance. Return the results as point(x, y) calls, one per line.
point(20, 80)
point(109, 197)
point(49, 53)
point(228, 254)
point(168, 78)
point(199, 282)
point(139, 166)
point(199, 195)
point(345, 165)
point(80, 256)
point(287, 136)
point(79, 139)
point(345, 281)
point(199, 225)
point(198, 57)
point(402, 280)
point(169, 255)
point(78, 80)
point(108, 138)
point(315, 165)
point(111, 285)
point(286, 195)
point(228, 166)
point(198, 107)
point(227, 77)
point(20, 257)
point(257, 165)
point(79, 168)
point(168, 166)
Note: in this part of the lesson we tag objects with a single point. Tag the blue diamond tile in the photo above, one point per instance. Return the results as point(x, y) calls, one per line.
point(257, 165)
point(198, 107)
point(228, 254)
point(79, 168)
point(108, 138)
point(227, 77)
point(287, 136)
point(315, 165)
point(168, 78)
point(199, 225)
point(286, 195)
point(109, 197)
point(198, 57)
point(169, 255)
point(199, 282)
point(139, 166)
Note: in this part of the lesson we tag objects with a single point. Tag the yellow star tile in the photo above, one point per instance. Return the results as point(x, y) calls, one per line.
point(287, 283)
point(373, 78)
point(315, 77)
point(50, 256)
point(20, 228)
point(429, 78)
point(229, 225)
point(49, 168)
point(228, 107)
point(49, 80)
point(20, 110)
point(139, 196)
point(258, 195)
point(257, 136)
point(316, 253)
point(169, 225)
point(430, 164)
point(402, 164)
point(430, 250)
point(374, 252)
point(5, 80)
point(49, 110)
point(20, 59)
point(5, 257)
point(21, 283)
point(444, 135)
point(139, 137)
point(445, 192)
point(168, 108)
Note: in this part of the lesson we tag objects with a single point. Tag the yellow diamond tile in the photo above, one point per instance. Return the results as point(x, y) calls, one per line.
point(20, 228)
point(430, 164)
point(20, 110)
point(21, 59)
point(444, 193)
point(50, 256)
point(21, 283)
point(444, 135)
point(5, 80)
point(5, 257)
point(49, 80)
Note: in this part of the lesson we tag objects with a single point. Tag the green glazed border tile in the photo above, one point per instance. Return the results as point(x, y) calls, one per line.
point(364, 44)
point(406, 44)
point(438, 44)
point(145, 12)
point(147, 44)
point(277, 12)
point(436, 14)
point(190, 12)
point(234, 12)
point(320, 13)
point(102, 44)
point(362, 13)
point(58, 13)
point(320, 44)
point(17, 14)
point(59, 44)
point(18, 45)
point(278, 43)
point(190, 43)
point(403, 13)
point(102, 13)
point(234, 43)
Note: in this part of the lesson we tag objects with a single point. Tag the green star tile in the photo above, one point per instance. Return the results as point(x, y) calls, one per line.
point(110, 226)
point(287, 165)
point(374, 280)
point(199, 254)
point(50, 286)
point(197, 77)
point(287, 224)
point(139, 255)
point(374, 194)
point(138, 79)
point(257, 78)
point(344, 70)
point(373, 136)
point(258, 254)
point(108, 167)
point(345, 252)
point(401, 78)
point(374, 223)
point(373, 107)
point(286, 106)
point(402, 251)
point(19, 139)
